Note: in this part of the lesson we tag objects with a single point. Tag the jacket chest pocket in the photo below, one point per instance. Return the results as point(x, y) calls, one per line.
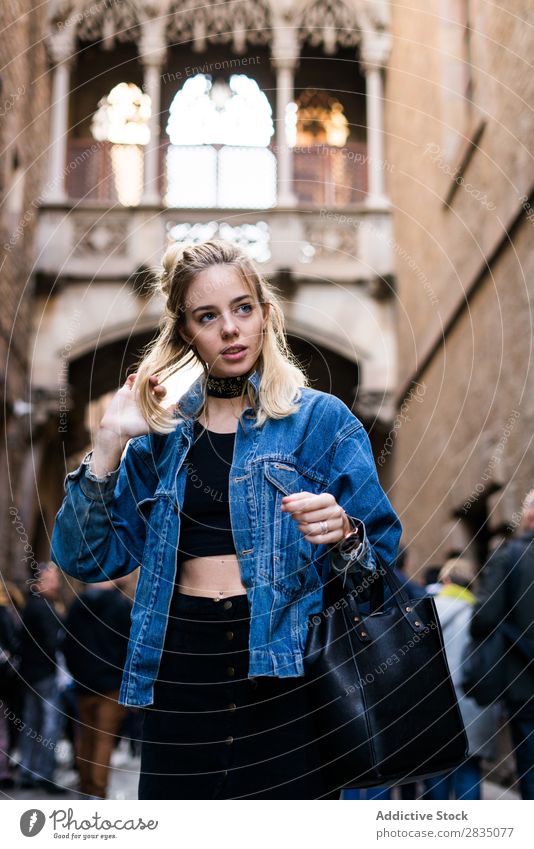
point(154, 512)
point(289, 553)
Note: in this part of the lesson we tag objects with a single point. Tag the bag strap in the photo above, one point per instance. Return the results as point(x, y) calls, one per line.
point(398, 596)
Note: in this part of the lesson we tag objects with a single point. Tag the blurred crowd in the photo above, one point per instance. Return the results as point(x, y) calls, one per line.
point(60, 672)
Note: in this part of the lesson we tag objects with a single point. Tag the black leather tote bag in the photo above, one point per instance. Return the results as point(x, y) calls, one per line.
point(382, 697)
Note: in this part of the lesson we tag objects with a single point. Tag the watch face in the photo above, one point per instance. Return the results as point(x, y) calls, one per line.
point(350, 541)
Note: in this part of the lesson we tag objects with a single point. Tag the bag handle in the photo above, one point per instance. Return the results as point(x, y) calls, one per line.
point(398, 596)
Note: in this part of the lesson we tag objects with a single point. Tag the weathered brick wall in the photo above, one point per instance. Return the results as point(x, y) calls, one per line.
point(23, 134)
point(475, 370)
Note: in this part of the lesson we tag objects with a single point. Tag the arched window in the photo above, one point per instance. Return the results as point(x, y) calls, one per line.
point(329, 168)
point(320, 120)
point(122, 120)
point(219, 145)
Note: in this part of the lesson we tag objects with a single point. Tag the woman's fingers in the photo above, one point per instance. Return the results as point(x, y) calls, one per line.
point(157, 387)
point(311, 511)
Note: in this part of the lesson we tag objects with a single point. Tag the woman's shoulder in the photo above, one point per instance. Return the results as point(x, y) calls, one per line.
point(335, 412)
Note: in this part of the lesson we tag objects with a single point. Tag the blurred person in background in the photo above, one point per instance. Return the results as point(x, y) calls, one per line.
point(431, 580)
point(9, 678)
point(455, 603)
point(402, 571)
point(42, 627)
point(95, 644)
point(506, 592)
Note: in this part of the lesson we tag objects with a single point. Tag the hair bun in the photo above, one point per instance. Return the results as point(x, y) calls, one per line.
point(172, 256)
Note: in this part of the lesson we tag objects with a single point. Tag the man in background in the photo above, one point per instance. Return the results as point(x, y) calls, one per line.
point(96, 639)
point(506, 592)
point(42, 628)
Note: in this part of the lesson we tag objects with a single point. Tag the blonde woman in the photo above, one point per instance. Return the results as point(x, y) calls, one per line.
point(237, 503)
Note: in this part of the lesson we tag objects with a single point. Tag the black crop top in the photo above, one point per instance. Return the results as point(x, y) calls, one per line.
point(205, 518)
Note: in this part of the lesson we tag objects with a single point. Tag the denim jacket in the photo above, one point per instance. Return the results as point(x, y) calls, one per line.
point(107, 527)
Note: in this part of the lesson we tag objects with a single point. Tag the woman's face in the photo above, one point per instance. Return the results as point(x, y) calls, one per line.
point(222, 314)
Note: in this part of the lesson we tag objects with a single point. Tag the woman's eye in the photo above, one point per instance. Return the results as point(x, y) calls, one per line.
point(209, 315)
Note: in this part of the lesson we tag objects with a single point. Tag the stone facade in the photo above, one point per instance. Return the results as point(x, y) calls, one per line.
point(326, 241)
point(24, 103)
point(461, 182)
point(452, 246)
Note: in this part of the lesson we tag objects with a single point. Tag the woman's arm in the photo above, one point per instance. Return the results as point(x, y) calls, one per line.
point(99, 534)
point(356, 488)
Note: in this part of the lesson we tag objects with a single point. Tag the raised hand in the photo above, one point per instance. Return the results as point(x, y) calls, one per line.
point(122, 421)
point(123, 415)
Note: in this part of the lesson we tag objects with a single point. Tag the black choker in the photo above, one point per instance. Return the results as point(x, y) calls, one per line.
point(226, 387)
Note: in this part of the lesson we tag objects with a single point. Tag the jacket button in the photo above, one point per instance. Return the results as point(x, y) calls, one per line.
point(230, 670)
point(232, 706)
point(356, 618)
point(408, 609)
point(363, 633)
point(417, 623)
point(229, 635)
point(229, 740)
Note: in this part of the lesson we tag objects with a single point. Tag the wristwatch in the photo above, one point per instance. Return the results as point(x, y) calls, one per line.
point(350, 544)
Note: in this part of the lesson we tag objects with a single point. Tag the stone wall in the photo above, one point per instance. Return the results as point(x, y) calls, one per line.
point(24, 103)
point(460, 170)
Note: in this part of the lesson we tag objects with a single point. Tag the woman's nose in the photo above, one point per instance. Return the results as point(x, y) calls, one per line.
point(228, 323)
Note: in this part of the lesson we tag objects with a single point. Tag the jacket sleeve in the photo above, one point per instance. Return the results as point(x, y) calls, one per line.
point(356, 488)
point(491, 605)
point(99, 533)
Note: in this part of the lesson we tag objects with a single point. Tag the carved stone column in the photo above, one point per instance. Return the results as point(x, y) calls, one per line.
point(152, 53)
point(284, 59)
point(374, 54)
point(61, 50)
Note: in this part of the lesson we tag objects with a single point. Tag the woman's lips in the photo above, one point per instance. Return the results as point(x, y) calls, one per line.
point(234, 355)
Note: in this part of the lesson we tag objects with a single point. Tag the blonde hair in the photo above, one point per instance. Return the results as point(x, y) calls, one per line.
point(281, 377)
point(458, 570)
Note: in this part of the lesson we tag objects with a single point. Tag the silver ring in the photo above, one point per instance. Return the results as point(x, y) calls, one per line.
point(324, 527)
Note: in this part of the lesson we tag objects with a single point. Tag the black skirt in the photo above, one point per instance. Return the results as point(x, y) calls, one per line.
point(214, 733)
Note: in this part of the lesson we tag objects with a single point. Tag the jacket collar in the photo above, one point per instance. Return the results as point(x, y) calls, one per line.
point(191, 400)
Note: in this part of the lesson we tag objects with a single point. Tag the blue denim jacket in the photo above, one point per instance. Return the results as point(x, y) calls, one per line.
point(107, 527)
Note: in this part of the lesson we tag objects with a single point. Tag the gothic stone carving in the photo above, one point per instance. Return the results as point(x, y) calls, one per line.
point(104, 234)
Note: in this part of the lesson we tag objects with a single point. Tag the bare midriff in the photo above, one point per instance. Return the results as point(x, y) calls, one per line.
point(215, 576)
